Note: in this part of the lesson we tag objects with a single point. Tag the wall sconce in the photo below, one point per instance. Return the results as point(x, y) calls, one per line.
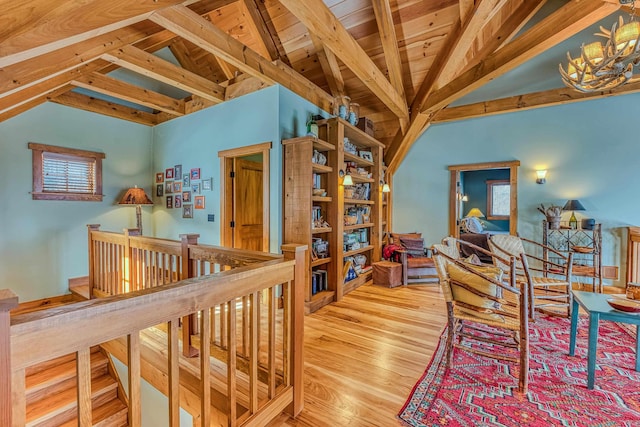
point(346, 178)
point(385, 187)
point(541, 176)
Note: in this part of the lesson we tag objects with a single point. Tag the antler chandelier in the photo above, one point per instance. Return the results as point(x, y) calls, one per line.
point(600, 67)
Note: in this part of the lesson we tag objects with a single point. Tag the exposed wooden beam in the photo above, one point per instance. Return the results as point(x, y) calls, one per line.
point(182, 53)
point(466, 6)
point(106, 108)
point(243, 85)
point(152, 66)
point(37, 27)
point(529, 101)
point(387, 31)
point(330, 67)
point(562, 24)
point(201, 32)
point(318, 19)
point(34, 102)
point(118, 89)
point(255, 20)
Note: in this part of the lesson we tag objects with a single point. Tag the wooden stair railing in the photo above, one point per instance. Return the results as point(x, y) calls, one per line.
point(33, 338)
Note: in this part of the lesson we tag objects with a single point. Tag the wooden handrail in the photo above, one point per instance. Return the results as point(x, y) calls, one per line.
point(44, 335)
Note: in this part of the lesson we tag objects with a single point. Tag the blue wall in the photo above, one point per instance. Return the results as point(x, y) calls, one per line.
point(590, 150)
point(43, 243)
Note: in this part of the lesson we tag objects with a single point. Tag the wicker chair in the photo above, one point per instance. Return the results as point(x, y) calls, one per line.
point(480, 295)
point(550, 281)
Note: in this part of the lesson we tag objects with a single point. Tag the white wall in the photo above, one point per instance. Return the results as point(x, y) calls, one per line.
point(590, 149)
point(43, 243)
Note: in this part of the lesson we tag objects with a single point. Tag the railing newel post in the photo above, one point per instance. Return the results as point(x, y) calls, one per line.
point(299, 254)
point(189, 323)
point(8, 300)
point(91, 228)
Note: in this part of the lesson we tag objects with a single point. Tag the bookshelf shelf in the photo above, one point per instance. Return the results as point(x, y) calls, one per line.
point(321, 230)
point(358, 202)
point(358, 251)
point(320, 261)
point(357, 226)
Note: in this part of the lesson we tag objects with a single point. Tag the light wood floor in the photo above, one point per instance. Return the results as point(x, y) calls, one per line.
point(364, 354)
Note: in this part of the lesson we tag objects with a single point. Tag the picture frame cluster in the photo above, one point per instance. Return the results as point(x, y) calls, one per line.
point(183, 190)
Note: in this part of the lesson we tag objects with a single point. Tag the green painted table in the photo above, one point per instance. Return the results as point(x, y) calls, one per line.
point(598, 309)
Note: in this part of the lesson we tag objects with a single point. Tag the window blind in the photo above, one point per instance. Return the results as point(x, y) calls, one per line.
point(68, 174)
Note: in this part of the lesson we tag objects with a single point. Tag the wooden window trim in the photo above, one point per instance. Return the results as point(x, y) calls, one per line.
point(38, 151)
point(490, 184)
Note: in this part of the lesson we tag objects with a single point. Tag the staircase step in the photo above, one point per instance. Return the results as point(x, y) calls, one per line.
point(48, 364)
point(58, 378)
point(60, 407)
point(111, 414)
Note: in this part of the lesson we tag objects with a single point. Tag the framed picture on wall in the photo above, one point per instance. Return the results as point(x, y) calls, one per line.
point(159, 177)
point(159, 190)
point(199, 202)
point(187, 211)
point(186, 182)
point(206, 184)
point(186, 196)
point(169, 202)
point(168, 173)
point(177, 201)
point(177, 170)
point(168, 187)
point(195, 173)
point(177, 186)
point(195, 188)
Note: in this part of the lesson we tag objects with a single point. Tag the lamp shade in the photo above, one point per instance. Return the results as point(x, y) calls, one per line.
point(135, 196)
point(475, 212)
point(573, 205)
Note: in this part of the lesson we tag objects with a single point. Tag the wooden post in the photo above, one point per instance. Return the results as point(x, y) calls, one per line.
point(299, 253)
point(189, 323)
point(8, 300)
point(92, 255)
point(130, 268)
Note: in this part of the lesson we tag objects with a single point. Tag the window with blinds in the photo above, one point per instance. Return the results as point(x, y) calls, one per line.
point(61, 173)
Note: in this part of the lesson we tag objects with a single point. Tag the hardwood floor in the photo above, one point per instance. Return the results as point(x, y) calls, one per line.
point(364, 354)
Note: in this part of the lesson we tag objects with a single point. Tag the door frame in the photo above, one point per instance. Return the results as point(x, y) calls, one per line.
point(454, 205)
point(226, 190)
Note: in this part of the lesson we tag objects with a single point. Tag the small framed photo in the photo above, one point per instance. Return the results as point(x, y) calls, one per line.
point(169, 173)
point(169, 202)
point(366, 155)
point(177, 201)
point(177, 171)
point(195, 188)
point(199, 202)
point(159, 190)
point(177, 186)
point(186, 196)
point(195, 173)
point(186, 182)
point(168, 187)
point(206, 184)
point(159, 177)
point(187, 211)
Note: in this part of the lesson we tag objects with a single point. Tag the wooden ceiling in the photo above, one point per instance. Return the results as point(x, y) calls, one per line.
point(403, 61)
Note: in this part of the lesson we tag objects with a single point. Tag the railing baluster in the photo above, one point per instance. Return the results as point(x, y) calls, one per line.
point(174, 374)
point(18, 398)
point(205, 367)
point(245, 326)
point(83, 376)
point(253, 355)
point(272, 342)
point(231, 361)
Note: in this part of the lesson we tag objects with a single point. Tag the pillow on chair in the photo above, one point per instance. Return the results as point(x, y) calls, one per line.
point(472, 225)
point(412, 244)
point(396, 237)
point(461, 294)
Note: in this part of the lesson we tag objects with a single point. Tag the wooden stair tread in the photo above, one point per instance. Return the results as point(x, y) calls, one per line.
point(48, 364)
point(57, 403)
point(112, 414)
point(81, 291)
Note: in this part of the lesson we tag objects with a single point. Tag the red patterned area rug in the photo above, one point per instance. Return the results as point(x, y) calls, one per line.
point(478, 391)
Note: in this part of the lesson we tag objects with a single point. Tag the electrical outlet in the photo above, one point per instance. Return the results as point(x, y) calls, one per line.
point(211, 217)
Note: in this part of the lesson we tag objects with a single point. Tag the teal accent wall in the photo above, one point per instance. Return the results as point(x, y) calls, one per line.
point(43, 243)
point(475, 187)
point(590, 150)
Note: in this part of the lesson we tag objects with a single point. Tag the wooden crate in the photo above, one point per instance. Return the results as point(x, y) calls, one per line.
point(387, 274)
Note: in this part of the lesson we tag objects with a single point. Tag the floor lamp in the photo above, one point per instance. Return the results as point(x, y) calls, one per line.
point(136, 196)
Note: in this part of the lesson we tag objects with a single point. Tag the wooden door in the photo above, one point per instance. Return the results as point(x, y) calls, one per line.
point(248, 205)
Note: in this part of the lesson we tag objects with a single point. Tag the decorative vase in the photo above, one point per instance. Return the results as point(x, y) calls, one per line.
point(354, 113)
point(312, 127)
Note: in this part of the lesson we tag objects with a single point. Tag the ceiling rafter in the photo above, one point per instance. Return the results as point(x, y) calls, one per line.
point(562, 24)
point(34, 102)
point(256, 20)
point(529, 101)
point(118, 89)
point(330, 67)
point(95, 105)
point(319, 20)
point(144, 63)
point(201, 32)
point(387, 31)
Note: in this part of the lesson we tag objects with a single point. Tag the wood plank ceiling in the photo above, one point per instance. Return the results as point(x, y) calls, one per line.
point(403, 61)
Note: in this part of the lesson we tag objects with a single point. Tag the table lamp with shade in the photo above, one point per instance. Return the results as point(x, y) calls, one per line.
point(136, 196)
point(573, 205)
point(475, 212)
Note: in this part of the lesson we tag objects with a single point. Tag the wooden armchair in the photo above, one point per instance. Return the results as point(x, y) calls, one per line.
point(550, 281)
point(417, 266)
point(485, 295)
